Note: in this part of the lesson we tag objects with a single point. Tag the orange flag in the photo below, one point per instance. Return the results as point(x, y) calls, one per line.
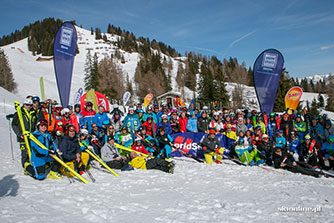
point(292, 98)
point(148, 99)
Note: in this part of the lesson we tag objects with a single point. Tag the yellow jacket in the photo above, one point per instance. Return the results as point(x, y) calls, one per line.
point(231, 135)
point(138, 162)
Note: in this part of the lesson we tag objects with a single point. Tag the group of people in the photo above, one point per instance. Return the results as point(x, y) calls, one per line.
point(295, 142)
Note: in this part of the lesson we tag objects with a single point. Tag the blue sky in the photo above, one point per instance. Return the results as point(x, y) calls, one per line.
point(303, 30)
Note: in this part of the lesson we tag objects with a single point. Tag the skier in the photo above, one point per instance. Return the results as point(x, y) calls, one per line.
point(150, 126)
point(280, 140)
point(174, 122)
point(327, 152)
point(116, 121)
point(124, 138)
point(29, 124)
point(203, 122)
point(212, 147)
point(266, 149)
point(283, 159)
point(40, 156)
point(87, 116)
point(101, 118)
point(310, 157)
point(286, 126)
point(216, 123)
point(138, 146)
point(183, 120)
point(140, 162)
point(300, 127)
point(112, 156)
point(165, 124)
point(131, 121)
point(329, 129)
point(240, 126)
point(165, 143)
point(294, 145)
point(230, 133)
point(71, 152)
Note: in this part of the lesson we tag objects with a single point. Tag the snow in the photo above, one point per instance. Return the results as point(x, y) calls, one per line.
point(194, 193)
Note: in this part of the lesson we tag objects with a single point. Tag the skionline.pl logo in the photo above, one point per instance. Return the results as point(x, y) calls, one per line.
point(300, 209)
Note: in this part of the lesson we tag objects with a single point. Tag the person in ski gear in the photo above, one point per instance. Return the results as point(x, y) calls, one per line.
point(280, 140)
point(241, 127)
point(40, 157)
point(216, 123)
point(140, 162)
point(261, 124)
point(77, 112)
point(300, 127)
point(293, 146)
point(29, 122)
point(97, 138)
point(174, 122)
point(203, 122)
point(183, 120)
point(286, 126)
point(67, 118)
point(327, 152)
point(316, 131)
point(148, 141)
point(329, 129)
point(140, 113)
point(228, 121)
point(212, 147)
point(112, 157)
point(230, 133)
point(282, 159)
point(71, 152)
point(116, 121)
point(165, 143)
point(192, 122)
point(266, 149)
point(309, 156)
point(150, 126)
point(165, 124)
point(138, 146)
point(131, 121)
point(87, 116)
point(149, 113)
point(101, 118)
point(124, 138)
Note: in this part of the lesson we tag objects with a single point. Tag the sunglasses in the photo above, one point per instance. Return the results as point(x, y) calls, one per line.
point(94, 126)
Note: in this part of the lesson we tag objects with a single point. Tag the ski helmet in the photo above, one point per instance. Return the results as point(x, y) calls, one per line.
point(36, 98)
point(27, 101)
point(77, 106)
point(88, 103)
point(42, 122)
point(307, 136)
point(83, 132)
point(272, 114)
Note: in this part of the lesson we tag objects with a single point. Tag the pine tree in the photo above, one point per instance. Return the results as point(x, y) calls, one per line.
point(6, 75)
point(330, 93)
point(91, 72)
point(314, 109)
point(321, 100)
point(283, 88)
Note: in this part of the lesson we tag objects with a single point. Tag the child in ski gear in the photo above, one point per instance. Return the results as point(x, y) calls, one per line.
point(286, 126)
point(138, 146)
point(230, 133)
point(283, 159)
point(174, 122)
point(140, 162)
point(148, 141)
point(212, 147)
point(309, 154)
point(112, 156)
point(241, 127)
point(329, 129)
point(116, 120)
point(165, 143)
point(165, 124)
point(294, 145)
point(300, 127)
point(192, 123)
point(40, 157)
point(87, 116)
point(280, 140)
point(151, 127)
point(124, 138)
point(97, 138)
point(266, 149)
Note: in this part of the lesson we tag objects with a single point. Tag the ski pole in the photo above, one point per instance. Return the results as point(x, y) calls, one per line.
point(8, 117)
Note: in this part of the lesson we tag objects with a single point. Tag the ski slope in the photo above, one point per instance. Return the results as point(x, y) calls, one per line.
point(194, 193)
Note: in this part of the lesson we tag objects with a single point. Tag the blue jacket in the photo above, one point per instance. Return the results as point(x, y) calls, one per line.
point(294, 146)
point(146, 115)
point(132, 122)
point(315, 130)
point(327, 149)
point(280, 142)
point(192, 125)
point(167, 126)
point(126, 139)
point(86, 121)
point(39, 156)
point(69, 147)
point(99, 119)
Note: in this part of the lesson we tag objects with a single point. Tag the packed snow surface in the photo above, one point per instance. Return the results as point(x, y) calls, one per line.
point(194, 193)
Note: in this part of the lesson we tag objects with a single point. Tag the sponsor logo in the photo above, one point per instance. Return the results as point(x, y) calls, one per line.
point(294, 95)
point(269, 60)
point(185, 144)
point(66, 36)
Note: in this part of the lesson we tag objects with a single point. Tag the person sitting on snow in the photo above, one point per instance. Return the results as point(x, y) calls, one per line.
point(124, 138)
point(112, 157)
point(294, 145)
point(284, 160)
point(71, 152)
point(246, 153)
point(40, 156)
point(140, 162)
point(212, 147)
point(327, 152)
point(266, 149)
point(309, 156)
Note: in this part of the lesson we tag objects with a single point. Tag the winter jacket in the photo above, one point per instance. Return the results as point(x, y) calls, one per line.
point(294, 146)
point(87, 119)
point(138, 162)
point(101, 119)
point(231, 135)
point(241, 127)
point(150, 128)
point(211, 144)
point(116, 123)
point(126, 139)
point(215, 125)
point(192, 125)
point(69, 147)
point(266, 148)
point(167, 126)
point(286, 127)
point(183, 124)
point(327, 149)
point(140, 148)
point(132, 122)
point(175, 126)
point(203, 124)
point(315, 130)
point(29, 122)
point(280, 142)
point(329, 131)
point(301, 129)
point(109, 152)
point(278, 159)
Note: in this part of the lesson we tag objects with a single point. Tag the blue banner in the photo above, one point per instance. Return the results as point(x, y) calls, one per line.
point(64, 52)
point(267, 74)
point(191, 143)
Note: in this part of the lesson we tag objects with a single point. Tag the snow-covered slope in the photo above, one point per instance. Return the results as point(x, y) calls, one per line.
point(194, 193)
point(315, 78)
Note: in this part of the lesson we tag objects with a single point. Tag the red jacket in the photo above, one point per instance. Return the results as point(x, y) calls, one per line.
point(183, 124)
point(149, 129)
point(140, 148)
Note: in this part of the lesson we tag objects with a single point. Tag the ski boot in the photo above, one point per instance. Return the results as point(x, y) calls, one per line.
point(259, 162)
point(54, 175)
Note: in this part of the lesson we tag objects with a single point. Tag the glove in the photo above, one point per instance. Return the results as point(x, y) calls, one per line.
point(217, 150)
point(52, 152)
point(59, 152)
point(90, 148)
point(205, 148)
